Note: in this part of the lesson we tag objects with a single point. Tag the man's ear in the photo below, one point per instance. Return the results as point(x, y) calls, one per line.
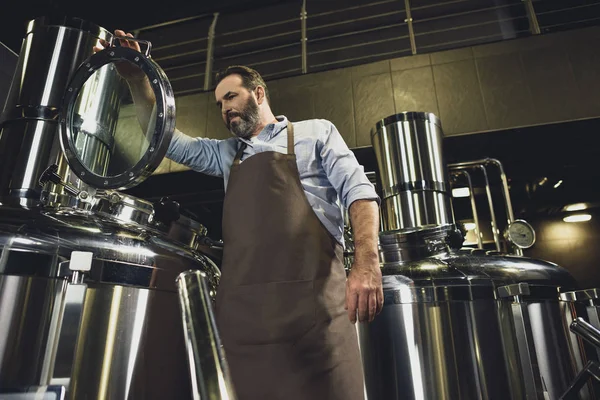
point(260, 94)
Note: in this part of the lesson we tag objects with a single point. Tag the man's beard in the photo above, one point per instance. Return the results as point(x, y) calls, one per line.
point(249, 119)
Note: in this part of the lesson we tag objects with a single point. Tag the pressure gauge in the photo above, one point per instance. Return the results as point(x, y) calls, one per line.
point(521, 234)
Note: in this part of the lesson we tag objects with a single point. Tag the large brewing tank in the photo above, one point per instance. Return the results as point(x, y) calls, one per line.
point(456, 324)
point(89, 303)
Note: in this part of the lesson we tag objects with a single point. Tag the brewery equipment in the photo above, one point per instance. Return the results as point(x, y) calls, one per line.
point(457, 323)
point(89, 305)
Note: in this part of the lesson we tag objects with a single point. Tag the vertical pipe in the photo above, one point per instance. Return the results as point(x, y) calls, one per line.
point(208, 366)
point(488, 192)
point(473, 207)
point(411, 32)
point(534, 27)
point(505, 192)
point(303, 17)
point(209, 53)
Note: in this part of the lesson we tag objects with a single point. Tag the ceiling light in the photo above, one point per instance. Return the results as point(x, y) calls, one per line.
point(461, 192)
point(575, 207)
point(557, 184)
point(577, 218)
point(470, 226)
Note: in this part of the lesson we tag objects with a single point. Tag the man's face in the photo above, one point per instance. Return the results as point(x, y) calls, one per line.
point(238, 105)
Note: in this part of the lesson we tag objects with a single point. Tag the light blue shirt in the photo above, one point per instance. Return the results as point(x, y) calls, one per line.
point(329, 172)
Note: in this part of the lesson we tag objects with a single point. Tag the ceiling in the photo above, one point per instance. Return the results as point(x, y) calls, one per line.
point(127, 14)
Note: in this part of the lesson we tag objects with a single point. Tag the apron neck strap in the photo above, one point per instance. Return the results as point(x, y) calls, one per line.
point(290, 135)
point(290, 144)
point(238, 155)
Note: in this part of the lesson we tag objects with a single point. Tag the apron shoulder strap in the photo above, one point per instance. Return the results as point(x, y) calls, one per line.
point(290, 136)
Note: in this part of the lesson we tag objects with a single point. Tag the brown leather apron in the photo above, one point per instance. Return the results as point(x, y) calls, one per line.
point(280, 303)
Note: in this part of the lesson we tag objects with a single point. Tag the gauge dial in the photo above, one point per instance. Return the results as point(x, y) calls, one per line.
point(521, 234)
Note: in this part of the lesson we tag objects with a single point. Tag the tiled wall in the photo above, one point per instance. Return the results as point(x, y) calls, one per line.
point(521, 82)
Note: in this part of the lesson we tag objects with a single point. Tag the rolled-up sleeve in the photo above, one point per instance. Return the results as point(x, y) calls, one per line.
point(343, 170)
point(200, 154)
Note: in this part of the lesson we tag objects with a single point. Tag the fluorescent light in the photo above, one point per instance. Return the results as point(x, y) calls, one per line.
point(470, 226)
point(577, 218)
point(461, 192)
point(575, 207)
point(557, 184)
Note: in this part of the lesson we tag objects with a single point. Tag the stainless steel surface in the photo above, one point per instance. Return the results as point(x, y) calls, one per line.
point(51, 50)
point(494, 221)
point(97, 119)
point(408, 148)
point(210, 372)
point(445, 334)
point(88, 299)
point(587, 331)
point(129, 323)
point(413, 244)
point(129, 345)
point(459, 324)
point(123, 208)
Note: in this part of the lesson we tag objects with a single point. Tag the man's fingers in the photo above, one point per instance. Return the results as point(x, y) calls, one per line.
point(372, 305)
point(379, 299)
point(363, 306)
point(351, 303)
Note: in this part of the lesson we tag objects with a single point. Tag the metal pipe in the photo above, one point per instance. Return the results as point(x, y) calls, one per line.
point(411, 32)
point(505, 191)
point(209, 53)
point(587, 331)
point(304, 39)
point(473, 207)
point(534, 26)
point(208, 366)
point(488, 192)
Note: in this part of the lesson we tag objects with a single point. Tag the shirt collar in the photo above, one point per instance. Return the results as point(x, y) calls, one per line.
point(269, 131)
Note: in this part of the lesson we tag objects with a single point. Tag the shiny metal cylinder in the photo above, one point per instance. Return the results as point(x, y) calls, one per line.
point(446, 332)
point(415, 189)
point(96, 119)
point(127, 340)
point(209, 370)
point(52, 49)
point(113, 332)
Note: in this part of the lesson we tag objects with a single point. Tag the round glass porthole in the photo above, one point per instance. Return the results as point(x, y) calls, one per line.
point(117, 118)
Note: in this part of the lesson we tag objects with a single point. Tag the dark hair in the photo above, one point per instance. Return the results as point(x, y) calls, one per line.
point(250, 78)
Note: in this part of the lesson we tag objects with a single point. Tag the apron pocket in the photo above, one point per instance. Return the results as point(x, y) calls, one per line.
point(266, 313)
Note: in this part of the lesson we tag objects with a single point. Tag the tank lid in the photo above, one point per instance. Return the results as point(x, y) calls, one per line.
point(110, 141)
point(406, 116)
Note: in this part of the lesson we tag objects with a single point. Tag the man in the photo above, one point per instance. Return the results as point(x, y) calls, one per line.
point(280, 304)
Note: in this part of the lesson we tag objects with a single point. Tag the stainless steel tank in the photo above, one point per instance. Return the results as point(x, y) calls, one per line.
point(89, 304)
point(457, 324)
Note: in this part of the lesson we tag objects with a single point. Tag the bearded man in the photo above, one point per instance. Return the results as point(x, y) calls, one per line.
point(285, 308)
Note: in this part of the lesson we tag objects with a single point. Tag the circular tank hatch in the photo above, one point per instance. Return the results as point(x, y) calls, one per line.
point(111, 141)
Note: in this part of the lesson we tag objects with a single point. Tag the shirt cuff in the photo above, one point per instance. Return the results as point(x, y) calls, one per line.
point(362, 193)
